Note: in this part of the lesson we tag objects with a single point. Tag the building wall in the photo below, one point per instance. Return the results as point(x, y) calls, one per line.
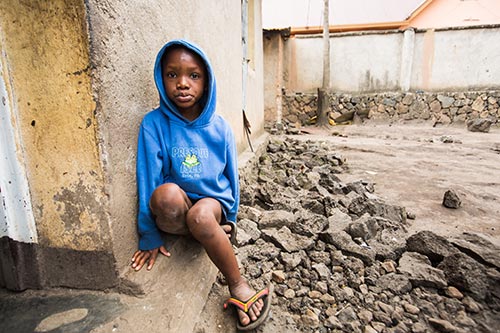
point(47, 70)
point(369, 62)
point(80, 74)
point(457, 13)
point(461, 59)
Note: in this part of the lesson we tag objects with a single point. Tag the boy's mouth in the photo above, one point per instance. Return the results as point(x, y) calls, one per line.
point(183, 98)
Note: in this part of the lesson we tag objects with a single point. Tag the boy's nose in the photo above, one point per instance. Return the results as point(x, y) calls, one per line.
point(182, 83)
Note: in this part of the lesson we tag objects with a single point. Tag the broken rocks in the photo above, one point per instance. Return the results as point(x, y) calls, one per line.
point(343, 261)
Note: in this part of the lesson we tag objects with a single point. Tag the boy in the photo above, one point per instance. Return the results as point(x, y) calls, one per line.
point(187, 174)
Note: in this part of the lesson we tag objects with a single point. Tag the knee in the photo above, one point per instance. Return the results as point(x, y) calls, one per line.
point(201, 223)
point(167, 200)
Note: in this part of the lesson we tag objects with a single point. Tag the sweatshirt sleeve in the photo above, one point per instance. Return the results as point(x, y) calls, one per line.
point(149, 177)
point(232, 174)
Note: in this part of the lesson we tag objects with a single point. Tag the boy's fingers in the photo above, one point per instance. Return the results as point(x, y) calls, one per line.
point(134, 257)
point(141, 259)
point(164, 251)
point(152, 259)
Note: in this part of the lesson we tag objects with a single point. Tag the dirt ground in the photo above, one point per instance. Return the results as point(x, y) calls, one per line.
point(413, 166)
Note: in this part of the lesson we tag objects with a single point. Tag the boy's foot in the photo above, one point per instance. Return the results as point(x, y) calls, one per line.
point(244, 292)
point(227, 229)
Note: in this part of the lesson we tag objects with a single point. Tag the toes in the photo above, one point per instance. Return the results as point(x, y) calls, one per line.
point(259, 305)
point(252, 314)
point(227, 229)
point(244, 318)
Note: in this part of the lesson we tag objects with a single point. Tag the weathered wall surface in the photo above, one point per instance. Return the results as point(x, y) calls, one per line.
point(456, 60)
point(47, 48)
point(45, 44)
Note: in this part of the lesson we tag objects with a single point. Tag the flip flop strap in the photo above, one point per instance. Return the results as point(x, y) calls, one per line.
point(245, 306)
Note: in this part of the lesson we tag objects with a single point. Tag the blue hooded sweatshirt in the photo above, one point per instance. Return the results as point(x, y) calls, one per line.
point(200, 155)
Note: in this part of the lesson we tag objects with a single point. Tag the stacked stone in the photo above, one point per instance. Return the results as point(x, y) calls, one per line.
point(342, 260)
point(438, 108)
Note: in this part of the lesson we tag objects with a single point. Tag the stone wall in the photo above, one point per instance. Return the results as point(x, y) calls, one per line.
point(436, 108)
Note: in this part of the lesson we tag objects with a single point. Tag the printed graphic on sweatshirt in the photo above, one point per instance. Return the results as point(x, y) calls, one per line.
point(192, 160)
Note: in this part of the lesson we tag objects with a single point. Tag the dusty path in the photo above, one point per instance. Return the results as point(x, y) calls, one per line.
point(412, 166)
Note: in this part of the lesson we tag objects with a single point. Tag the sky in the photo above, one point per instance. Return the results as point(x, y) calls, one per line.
point(309, 13)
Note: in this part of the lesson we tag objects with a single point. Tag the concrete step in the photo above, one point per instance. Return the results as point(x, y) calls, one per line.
point(183, 280)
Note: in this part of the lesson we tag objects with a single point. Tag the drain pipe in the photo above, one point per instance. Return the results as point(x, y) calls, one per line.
point(279, 77)
point(244, 41)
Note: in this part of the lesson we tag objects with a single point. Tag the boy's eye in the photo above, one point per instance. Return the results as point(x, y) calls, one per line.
point(171, 75)
point(195, 76)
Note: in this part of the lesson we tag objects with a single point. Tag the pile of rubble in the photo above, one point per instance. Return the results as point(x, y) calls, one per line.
point(342, 260)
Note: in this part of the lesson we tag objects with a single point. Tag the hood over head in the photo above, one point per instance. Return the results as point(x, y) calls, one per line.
point(209, 97)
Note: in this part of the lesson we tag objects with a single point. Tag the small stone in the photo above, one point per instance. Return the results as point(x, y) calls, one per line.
point(389, 266)
point(278, 276)
point(333, 322)
point(479, 125)
point(369, 329)
point(331, 311)
point(365, 316)
point(337, 269)
point(418, 328)
point(453, 292)
point(411, 215)
point(471, 305)
point(314, 294)
point(289, 293)
point(442, 325)
point(321, 286)
point(464, 320)
point(327, 299)
point(385, 307)
point(363, 288)
point(451, 199)
point(378, 326)
point(410, 308)
point(310, 319)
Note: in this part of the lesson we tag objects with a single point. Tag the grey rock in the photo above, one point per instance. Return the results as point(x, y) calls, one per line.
point(287, 240)
point(345, 243)
point(433, 246)
point(451, 199)
point(479, 125)
point(420, 272)
point(467, 274)
point(248, 231)
point(396, 283)
point(275, 219)
point(442, 325)
point(479, 248)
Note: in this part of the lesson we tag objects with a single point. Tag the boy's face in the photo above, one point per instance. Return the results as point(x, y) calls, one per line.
point(184, 79)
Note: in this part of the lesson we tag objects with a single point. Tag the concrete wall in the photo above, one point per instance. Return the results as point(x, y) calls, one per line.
point(81, 78)
point(45, 50)
point(367, 62)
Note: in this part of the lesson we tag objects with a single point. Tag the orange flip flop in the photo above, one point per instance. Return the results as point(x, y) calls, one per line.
point(264, 294)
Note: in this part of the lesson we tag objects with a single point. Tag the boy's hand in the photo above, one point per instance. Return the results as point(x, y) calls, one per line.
point(147, 256)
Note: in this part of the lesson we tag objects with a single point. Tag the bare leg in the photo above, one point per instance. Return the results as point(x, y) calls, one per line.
point(170, 204)
point(203, 221)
